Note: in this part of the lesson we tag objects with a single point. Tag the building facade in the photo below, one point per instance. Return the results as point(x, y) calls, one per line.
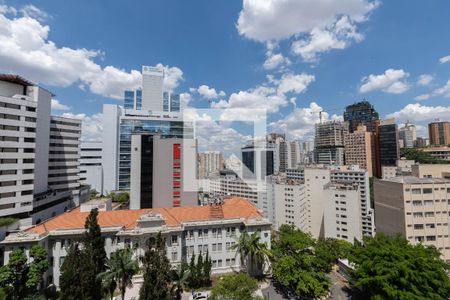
point(417, 208)
point(119, 124)
point(162, 171)
point(388, 143)
point(187, 231)
point(39, 156)
point(439, 133)
point(329, 142)
point(361, 113)
point(209, 163)
point(91, 171)
point(358, 149)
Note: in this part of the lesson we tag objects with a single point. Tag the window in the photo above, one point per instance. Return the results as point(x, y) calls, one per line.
point(428, 202)
point(416, 191)
point(200, 233)
point(174, 239)
point(219, 263)
point(429, 214)
point(431, 238)
point(219, 247)
point(417, 203)
point(419, 239)
point(417, 215)
point(430, 226)
point(427, 191)
point(418, 226)
point(174, 255)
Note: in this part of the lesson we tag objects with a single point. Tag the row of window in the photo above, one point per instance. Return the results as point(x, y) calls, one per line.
point(216, 233)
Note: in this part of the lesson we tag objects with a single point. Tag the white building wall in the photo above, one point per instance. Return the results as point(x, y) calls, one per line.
point(43, 97)
point(91, 171)
point(152, 88)
point(110, 147)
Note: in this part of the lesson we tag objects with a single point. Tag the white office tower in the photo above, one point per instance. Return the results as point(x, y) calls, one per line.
point(293, 154)
point(287, 203)
point(407, 136)
point(120, 124)
point(334, 208)
point(91, 172)
point(316, 178)
point(152, 88)
point(209, 163)
point(37, 152)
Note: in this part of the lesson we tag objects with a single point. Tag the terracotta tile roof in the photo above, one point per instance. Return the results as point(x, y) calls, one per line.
point(174, 216)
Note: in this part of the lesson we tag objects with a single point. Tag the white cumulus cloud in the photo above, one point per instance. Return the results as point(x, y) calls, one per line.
point(391, 81)
point(58, 105)
point(317, 26)
point(299, 124)
point(424, 79)
point(27, 50)
point(444, 59)
point(207, 92)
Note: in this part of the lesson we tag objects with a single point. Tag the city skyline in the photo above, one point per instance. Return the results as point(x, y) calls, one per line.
point(295, 69)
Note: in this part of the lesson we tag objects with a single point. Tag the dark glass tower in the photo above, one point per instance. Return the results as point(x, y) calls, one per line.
point(361, 113)
point(388, 139)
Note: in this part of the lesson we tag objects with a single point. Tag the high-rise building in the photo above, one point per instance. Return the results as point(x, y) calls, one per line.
point(160, 171)
point(442, 153)
point(38, 154)
point(416, 208)
point(408, 135)
point(152, 88)
point(120, 124)
point(91, 172)
point(293, 154)
point(422, 142)
point(358, 149)
point(361, 113)
point(258, 160)
point(388, 143)
point(133, 100)
point(316, 179)
point(209, 163)
point(439, 133)
point(329, 142)
point(65, 135)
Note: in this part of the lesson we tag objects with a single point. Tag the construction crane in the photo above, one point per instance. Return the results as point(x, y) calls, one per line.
point(326, 110)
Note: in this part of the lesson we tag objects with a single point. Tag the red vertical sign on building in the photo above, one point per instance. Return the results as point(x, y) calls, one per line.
point(176, 185)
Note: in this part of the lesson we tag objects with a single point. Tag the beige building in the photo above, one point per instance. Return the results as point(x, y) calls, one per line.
point(431, 171)
point(417, 208)
point(358, 149)
point(439, 133)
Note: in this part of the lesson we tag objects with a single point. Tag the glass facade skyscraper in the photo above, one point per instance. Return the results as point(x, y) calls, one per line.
point(171, 102)
point(361, 113)
point(133, 100)
point(132, 125)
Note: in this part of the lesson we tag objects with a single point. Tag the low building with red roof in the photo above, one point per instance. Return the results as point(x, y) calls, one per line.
point(187, 230)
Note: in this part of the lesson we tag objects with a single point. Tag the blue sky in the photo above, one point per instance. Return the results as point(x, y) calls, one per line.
point(294, 57)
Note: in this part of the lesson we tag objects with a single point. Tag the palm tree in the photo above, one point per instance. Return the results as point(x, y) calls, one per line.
point(250, 247)
point(179, 276)
point(120, 269)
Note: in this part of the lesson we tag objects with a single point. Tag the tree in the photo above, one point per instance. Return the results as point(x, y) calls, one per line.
point(199, 270)
point(37, 268)
point(120, 270)
point(235, 287)
point(250, 249)
point(156, 270)
point(328, 251)
point(192, 280)
point(179, 277)
point(94, 257)
point(207, 266)
point(295, 265)
point(22, 279)
point(389, 267)
point(70, 280)
point(13, 276)
point(93, 194)
point(420, 156)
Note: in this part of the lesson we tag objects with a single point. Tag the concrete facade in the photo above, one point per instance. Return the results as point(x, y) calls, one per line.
point(417, 208)
point(91, 171)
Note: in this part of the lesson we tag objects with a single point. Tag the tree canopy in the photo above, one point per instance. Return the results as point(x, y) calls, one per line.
point(420, 156)
point(235, 287)
point(299, 262)
point(390, 268)
point(21, 278)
